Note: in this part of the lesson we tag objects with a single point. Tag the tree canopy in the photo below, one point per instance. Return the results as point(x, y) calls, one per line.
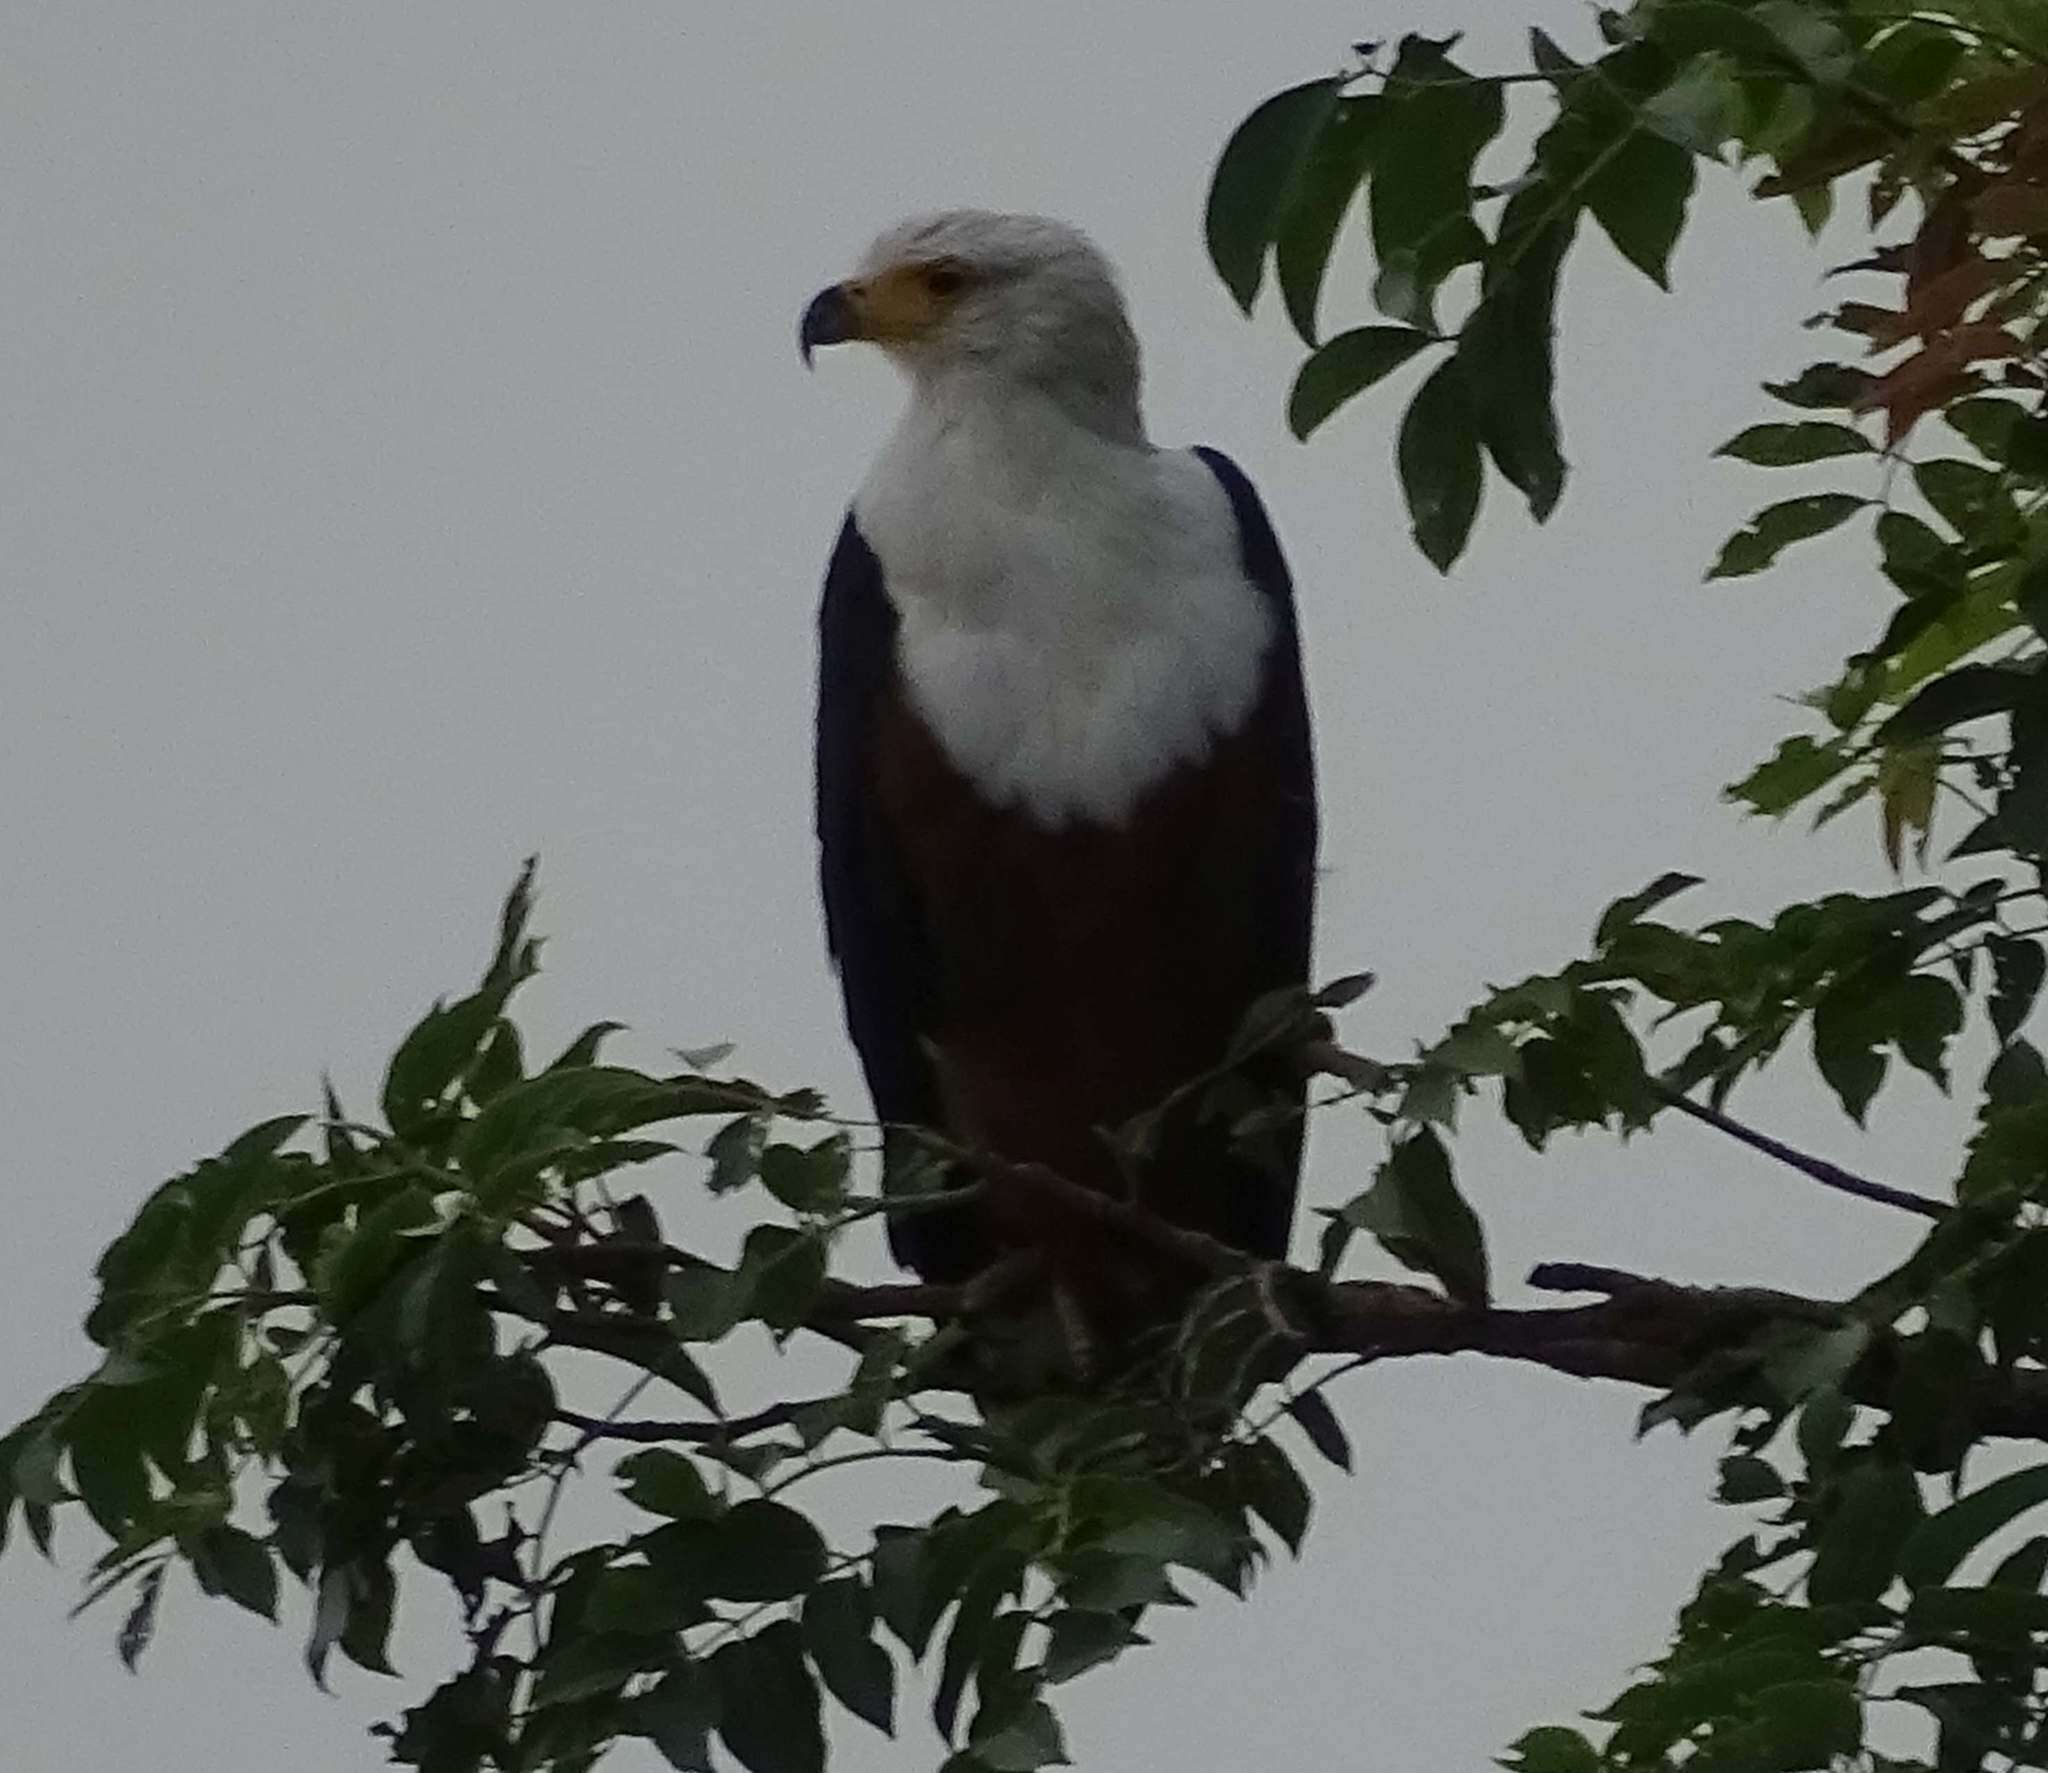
point(374, 1352)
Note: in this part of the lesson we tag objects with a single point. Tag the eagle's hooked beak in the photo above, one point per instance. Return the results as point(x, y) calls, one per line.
point(829, 320)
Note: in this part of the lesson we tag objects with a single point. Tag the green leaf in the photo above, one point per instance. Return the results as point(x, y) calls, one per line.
point(705, 1303)
point(353, 1272)
point(761, 1551)
point(1959, 491)
point(1438, 455)
point(1099, 1582)
point(140, 1625)
point(1940, 1543)
point(1255, 181)
point(1783, 446)
point(228, 1561)
point(1810, 1369)
point(1080, 1641)
point(1986, 424)
point(330, 1617)
point(372, 1594)
point(1639, 198)
point(784, 1271)
point(1912, 550)
point(629, 1600)
point(1551, 1749)
point(807, 1179)
point(1994, 1617)
point(1970, 692)
point(677, 1716)
point(1775, 528)
point(1272, 1489)
point(1349, 364)
point(1438, 119)
point(1926, 1013)
point(1319, 1422)
point(185, 1230)
point(463, 1724)
point(108, 1469)
point(1799, 767)
point(1415, 1211)
point(565, 1107)
point(1625, 911)
point(1859, 1543)
point(1548, 57)
point(1848, 1030)
point(1697, 110)
point(1337, 164)
point(1505, 349)
point(582, 1051)
point(1746, 1478)
point(2017, 967)
point(448, 1041)
point(857, 1671)
point(1822, 387)
point(2025, 1568)
point(1021, 1740)
point(900, 1573)
point(500, 1065)
point(972, 1617)
point(735, 1153)
point(1799, 1724)
point(1175, 1529)
point(665, 1482)
point(590, 1663)
point(1477, 1049)
point(768, 1704)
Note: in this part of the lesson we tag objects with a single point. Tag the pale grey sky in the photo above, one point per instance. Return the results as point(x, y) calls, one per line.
point(406, 466)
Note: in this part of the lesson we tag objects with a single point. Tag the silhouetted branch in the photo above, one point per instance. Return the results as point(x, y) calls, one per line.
point(1828, 1175)
point(1645, 1331)
point(710, 1428)
point(1641, 1331)
point(1194, 1248)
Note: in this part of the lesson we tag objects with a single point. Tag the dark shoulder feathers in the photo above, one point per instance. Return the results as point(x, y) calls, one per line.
point(871, 923)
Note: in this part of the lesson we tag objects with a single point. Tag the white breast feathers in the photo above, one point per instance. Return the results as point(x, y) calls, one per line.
point(1075, 617)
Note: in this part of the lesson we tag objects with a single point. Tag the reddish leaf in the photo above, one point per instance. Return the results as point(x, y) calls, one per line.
point(1937, 305)
point(1932, 378)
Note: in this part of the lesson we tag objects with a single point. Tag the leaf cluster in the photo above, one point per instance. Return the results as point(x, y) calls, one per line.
point(344, 1353)
point(1927, 127)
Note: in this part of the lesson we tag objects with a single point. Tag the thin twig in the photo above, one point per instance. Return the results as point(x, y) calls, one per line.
point(1828, 1175)
point(866, 1455)
point(716, 1428)
point(1209, 1255)
point(558, 1483)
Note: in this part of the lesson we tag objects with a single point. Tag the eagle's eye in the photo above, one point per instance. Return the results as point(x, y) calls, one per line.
point(945, 278)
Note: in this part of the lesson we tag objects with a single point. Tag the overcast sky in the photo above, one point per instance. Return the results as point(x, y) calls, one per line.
point(406, 467)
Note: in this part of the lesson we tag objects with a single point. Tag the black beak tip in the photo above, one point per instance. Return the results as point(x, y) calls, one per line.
point(827, 321)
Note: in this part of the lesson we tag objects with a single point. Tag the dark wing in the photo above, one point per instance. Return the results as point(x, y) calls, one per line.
point(873, 924)
point(1286, 876)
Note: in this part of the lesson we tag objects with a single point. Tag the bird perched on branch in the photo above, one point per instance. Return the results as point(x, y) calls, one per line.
point(1066, 804)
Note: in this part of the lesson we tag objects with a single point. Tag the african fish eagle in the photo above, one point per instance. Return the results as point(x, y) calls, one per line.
point(1065, 798)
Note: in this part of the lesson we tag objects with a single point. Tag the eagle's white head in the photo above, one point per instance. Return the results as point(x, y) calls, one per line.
point(1016, 300)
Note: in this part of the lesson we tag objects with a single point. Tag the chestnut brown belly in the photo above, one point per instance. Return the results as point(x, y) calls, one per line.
point(1081, 973)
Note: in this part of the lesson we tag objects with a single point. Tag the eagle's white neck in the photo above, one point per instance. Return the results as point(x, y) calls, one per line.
point(1075, 619)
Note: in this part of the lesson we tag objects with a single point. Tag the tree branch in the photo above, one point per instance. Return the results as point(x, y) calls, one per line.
point(1644, 1331)
point(711, 1428)
point(1828, 1175)
point(1195, 1249)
